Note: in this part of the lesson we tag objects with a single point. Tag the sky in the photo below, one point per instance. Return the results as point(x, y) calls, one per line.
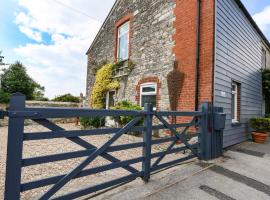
point(51, 37)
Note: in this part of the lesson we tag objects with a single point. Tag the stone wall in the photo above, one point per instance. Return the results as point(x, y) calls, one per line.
point(43, 104)
point(151, 46)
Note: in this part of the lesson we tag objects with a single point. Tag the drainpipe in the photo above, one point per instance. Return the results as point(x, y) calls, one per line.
point(197, 74)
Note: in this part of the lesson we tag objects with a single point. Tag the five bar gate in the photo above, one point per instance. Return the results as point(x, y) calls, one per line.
point(209, 123)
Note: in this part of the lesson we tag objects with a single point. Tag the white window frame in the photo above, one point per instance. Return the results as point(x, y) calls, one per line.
point(108, 96)
point(235, 93)
point(118, 40)
point(147, 93)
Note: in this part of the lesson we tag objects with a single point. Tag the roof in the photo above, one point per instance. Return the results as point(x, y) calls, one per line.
point(239, 3)
point(253, 23)
point(101, 28)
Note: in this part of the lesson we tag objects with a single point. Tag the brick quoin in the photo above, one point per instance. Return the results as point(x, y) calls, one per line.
point(185, 51)
point(148, 80)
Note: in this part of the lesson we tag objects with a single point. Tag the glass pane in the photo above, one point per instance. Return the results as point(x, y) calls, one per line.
point(124, 28)
point(123, 47)
point(233, 87)
point(149, 99)
point(150, 88)
point(233, 106)
point(111, 99)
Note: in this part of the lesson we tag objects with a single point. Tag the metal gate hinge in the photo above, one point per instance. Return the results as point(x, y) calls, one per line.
point(3, 114)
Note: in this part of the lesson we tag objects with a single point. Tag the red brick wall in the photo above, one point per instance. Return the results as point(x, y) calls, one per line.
point(185, 50)
point(148, 80)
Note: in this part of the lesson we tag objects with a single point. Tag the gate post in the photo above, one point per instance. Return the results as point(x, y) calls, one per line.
point(212, 124)
point(147, 137)
point(205, 132)
point(14, 149)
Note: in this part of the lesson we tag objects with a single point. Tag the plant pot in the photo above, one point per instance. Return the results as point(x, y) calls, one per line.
point(259, 137)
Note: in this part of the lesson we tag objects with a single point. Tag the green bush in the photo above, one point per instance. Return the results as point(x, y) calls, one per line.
point(260, 124)
point(4, 97)
point(267, 115)
point(67, 98)
point(95, 122)
point(125, 105)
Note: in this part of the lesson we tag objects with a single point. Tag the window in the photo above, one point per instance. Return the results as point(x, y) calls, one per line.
point(123, 42)
point(263, 59)
point(110, 99)
point(148, 94)
point(235, 102)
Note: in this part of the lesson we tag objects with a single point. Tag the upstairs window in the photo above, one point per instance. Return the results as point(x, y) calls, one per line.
point(235, 102)
point(148, 94)
point(123, 41)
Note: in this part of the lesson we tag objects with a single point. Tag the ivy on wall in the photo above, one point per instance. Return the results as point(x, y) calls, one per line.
point(103, 83)
point(266, 88)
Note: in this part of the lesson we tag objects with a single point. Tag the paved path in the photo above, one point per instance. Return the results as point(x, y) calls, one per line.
point(243, 173)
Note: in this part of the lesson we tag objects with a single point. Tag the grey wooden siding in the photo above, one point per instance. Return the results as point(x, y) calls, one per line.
point(238, 58)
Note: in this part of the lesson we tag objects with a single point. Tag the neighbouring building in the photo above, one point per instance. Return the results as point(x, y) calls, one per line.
point(185, 52)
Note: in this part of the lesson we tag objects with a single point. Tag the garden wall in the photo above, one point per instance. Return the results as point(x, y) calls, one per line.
point(43, 104)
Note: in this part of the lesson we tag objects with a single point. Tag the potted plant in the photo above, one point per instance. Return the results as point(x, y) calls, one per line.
point(261, 126)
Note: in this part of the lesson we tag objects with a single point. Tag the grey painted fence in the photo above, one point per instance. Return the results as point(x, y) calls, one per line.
point(209, 124)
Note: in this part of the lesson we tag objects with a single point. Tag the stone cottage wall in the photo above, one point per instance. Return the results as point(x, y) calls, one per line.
point(151, 46)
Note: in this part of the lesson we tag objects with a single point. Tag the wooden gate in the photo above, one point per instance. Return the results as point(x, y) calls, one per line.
point(208, 131)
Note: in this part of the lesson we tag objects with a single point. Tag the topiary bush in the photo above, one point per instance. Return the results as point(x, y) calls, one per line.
point(125, 105)
point(95, 122)
point(260, 124)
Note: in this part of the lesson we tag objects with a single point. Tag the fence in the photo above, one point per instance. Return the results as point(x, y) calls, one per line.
point(209, 123)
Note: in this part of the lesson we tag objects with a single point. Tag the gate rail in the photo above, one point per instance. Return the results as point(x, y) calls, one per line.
point(208, 123)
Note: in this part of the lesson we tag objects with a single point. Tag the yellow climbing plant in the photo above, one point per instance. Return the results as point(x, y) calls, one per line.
point(103, 83)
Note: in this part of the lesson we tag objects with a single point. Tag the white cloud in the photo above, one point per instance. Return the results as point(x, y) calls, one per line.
point(35, 35)
point(59, 64)
point(263, 19)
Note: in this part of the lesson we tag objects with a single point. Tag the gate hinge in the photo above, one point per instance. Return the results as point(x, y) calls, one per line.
point(3, 114)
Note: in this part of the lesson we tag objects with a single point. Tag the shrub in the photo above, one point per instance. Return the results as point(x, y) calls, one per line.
point(267, 115)
point(260, 124)
point(4, 97)
point(95, 122)
point(67, 98)
point(103, 83)
point(125, 105)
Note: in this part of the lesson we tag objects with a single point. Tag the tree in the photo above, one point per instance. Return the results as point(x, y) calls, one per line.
point(67, 98)
point(1, 58)
point(15, 79)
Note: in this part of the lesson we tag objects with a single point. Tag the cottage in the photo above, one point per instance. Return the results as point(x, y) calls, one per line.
point(185, 52)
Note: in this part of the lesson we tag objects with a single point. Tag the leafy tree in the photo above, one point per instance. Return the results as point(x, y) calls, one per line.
point(15, 79)
point(1, 58)
point(67, 98)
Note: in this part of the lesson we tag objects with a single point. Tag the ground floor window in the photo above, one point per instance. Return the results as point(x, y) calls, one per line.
point(235, 102)
point(110, 99)
point(148, 94)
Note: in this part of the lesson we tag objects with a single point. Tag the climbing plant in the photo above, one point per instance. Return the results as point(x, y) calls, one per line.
point(266, 88)
point(103, 83)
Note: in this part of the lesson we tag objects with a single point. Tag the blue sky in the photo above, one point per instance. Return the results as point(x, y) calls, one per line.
point(51, 39)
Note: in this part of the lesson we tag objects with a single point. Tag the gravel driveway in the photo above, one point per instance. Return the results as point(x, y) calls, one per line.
point(55, 146)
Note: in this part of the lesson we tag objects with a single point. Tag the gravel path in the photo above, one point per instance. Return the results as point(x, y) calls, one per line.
point(55, 146)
